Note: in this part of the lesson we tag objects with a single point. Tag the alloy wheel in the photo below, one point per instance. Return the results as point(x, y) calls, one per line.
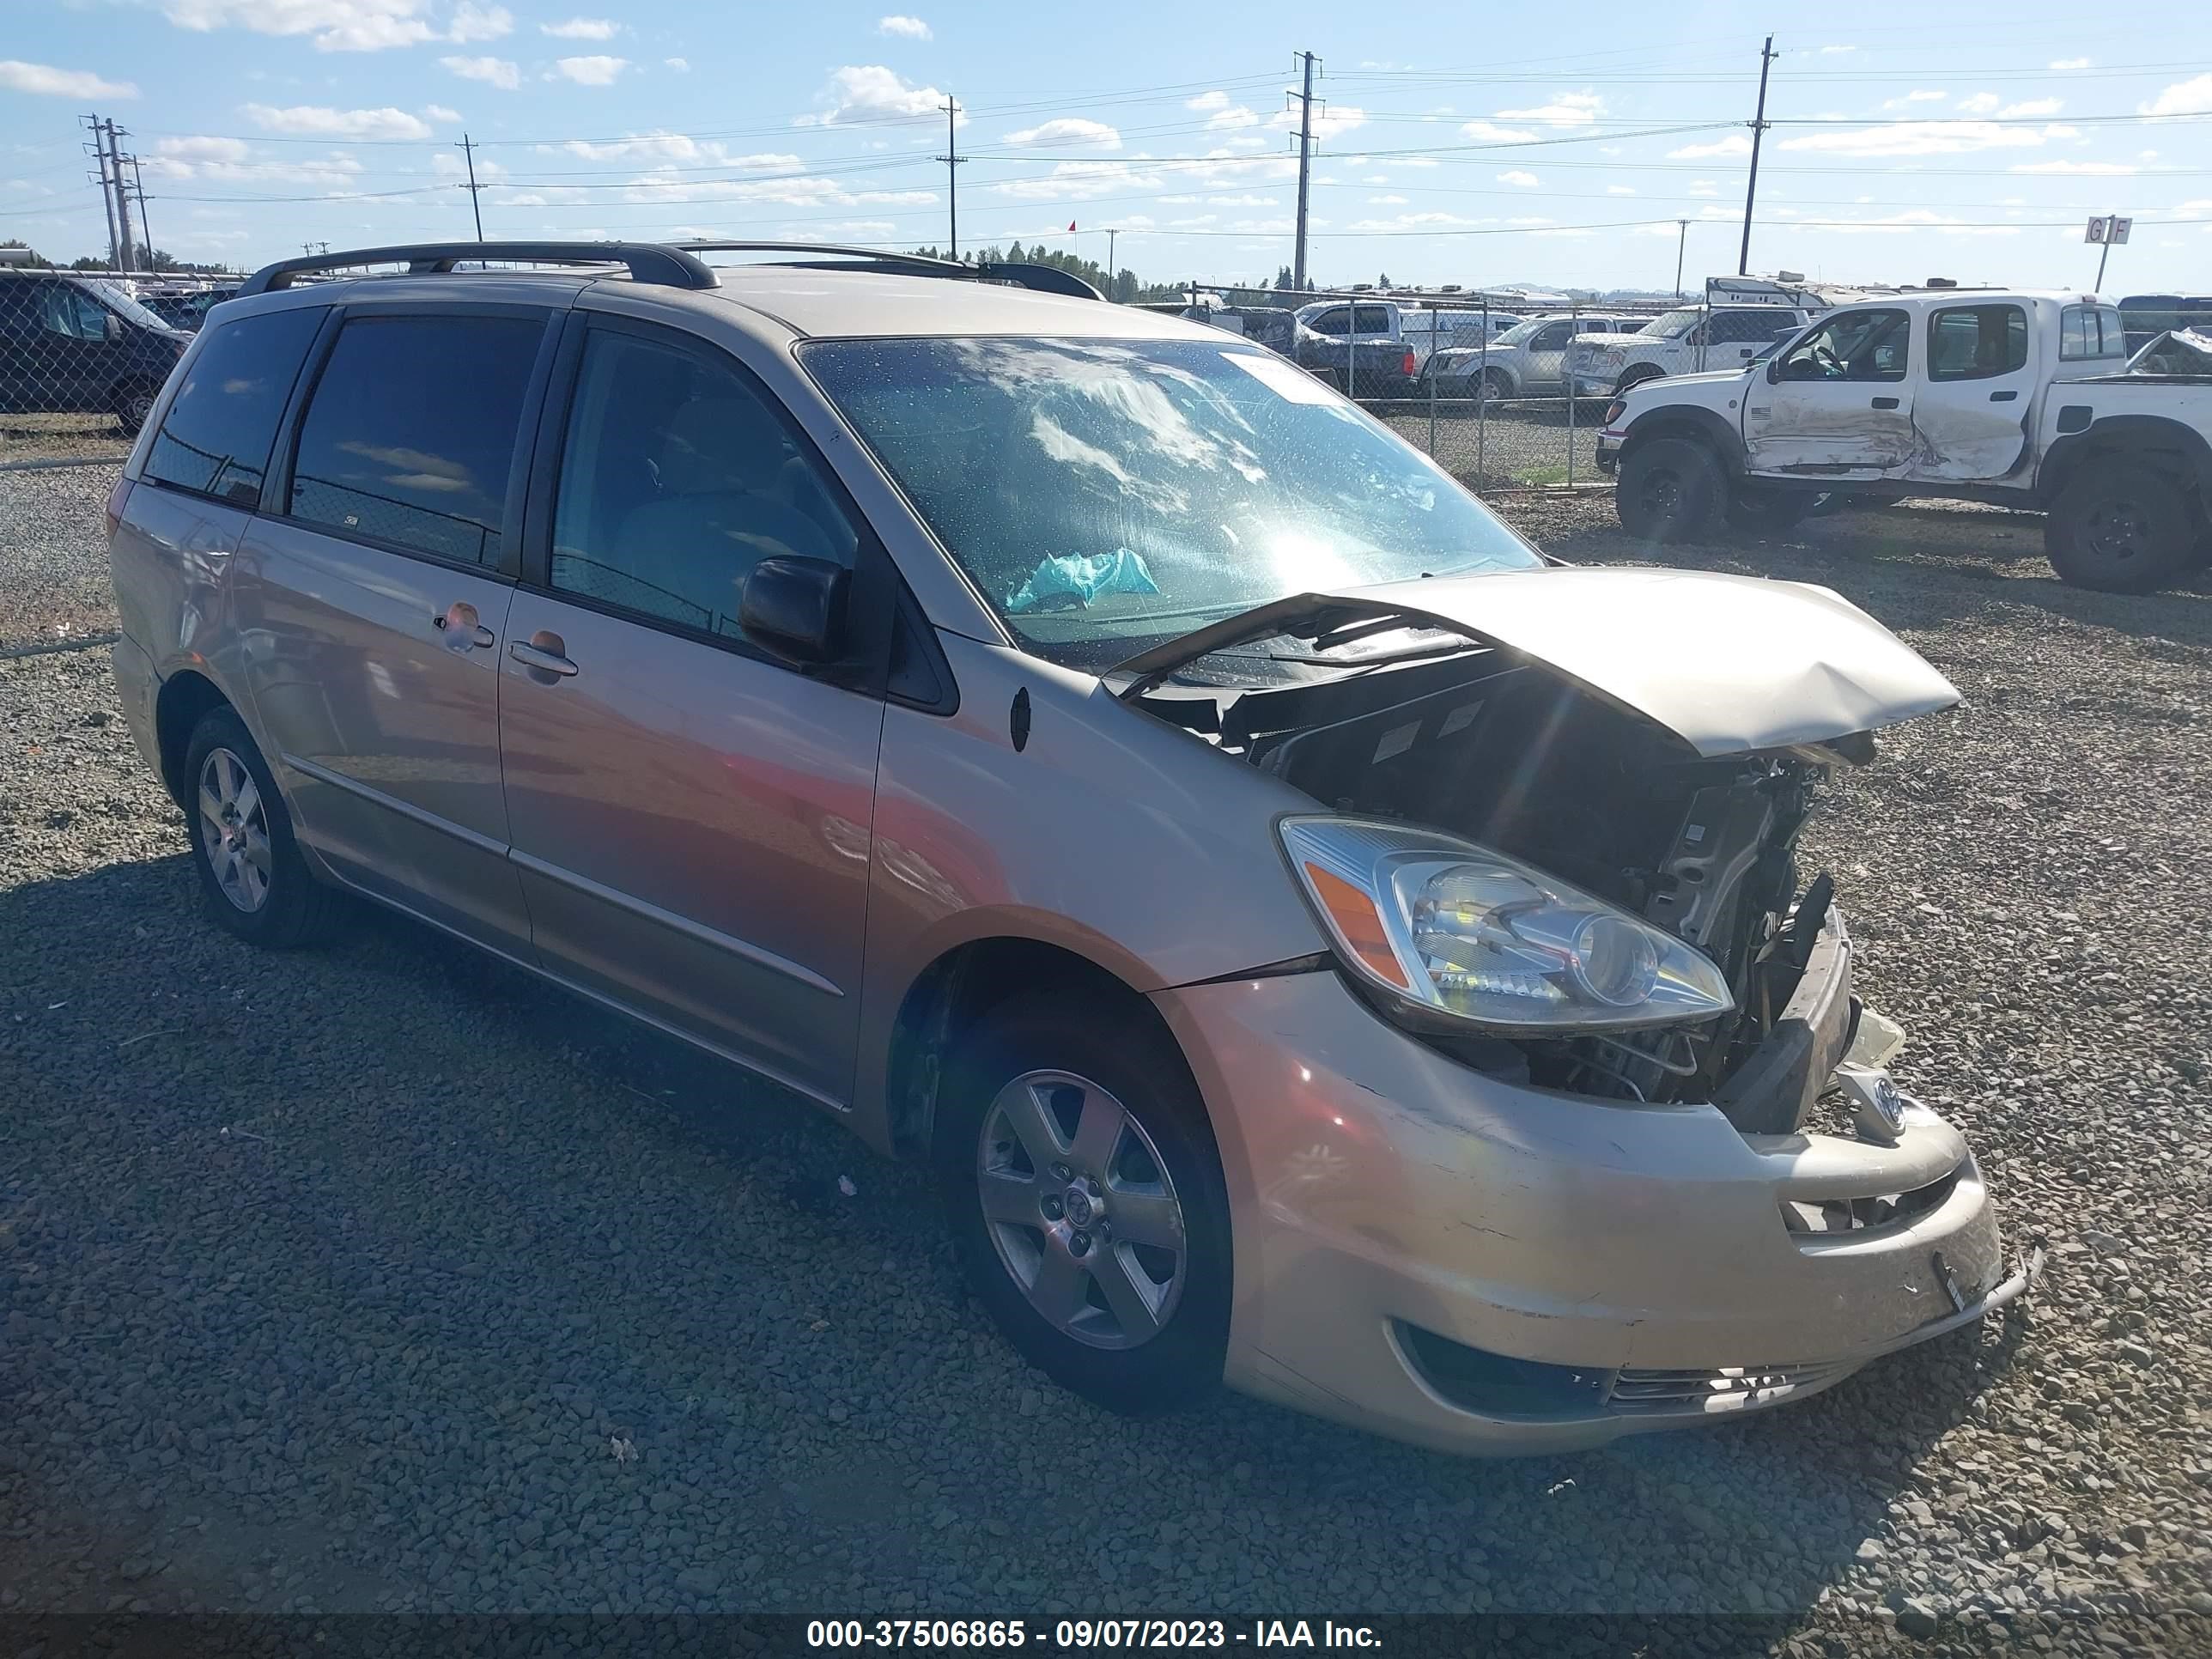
point(234, 830)
point(1079, 1204)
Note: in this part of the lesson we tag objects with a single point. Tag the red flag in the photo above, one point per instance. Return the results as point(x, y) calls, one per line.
point(1071, 227)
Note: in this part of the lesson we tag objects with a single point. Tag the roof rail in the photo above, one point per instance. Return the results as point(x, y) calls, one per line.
point(1045, 279)
point(649, 262)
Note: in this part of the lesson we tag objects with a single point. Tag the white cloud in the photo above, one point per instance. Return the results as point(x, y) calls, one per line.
point(1524, 180)
point(1736, 143)
point(1386, 201)
point(446, 165)
point(344, 25)
point(1206, 100)
point(203, 150)
point(1982, 103)
point(317, 121)
point(869, 91)
point(1079, 181)
point(2032, 109)
point(2183, 98)
point(596, 70)
point(2108, 169)
point(19, 77)
point(1620, 189)
point(1225, 120)
point(1702, 187)
point(1830, 51)
point(500, 72)
point(2073, 62)
point(1489, 132)
point(1568, 109)
point(582, 28)
point(1913, 219)
point(666, 148)
point(1919, 95)
point(663, 186)
point(521, 198)
point(681, 65)
point(901, 27)
point(1906, 139)
point(1068, 131)
point(233, 162)
point(440, 113)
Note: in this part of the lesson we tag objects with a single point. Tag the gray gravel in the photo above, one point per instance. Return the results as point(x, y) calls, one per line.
point(336, 1280)
point(53, 555)
point(1523, 442)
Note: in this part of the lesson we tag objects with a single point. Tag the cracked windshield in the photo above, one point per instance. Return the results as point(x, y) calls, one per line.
point(1105, 494)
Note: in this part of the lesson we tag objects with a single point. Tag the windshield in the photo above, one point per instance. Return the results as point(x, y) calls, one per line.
point(1109, 494)
point(1674, 324)
point(125, 305)
point(1520, 332)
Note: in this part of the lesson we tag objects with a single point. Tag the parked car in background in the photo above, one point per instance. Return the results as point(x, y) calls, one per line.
point(184, 308)
point(2147, 316)
point(1527, 360)
point(1688, 340)
point(1317, 943)
point(2023, 398)
point(1375, 348)
point(79, 345)
point(1275, 327)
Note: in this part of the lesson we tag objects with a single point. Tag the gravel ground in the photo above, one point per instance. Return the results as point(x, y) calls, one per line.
point(379, 1277)
point(53, 555)
point(47, 437)
point(1513, 444)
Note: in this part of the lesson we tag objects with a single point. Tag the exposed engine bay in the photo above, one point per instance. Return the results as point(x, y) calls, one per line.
point(1496, 749)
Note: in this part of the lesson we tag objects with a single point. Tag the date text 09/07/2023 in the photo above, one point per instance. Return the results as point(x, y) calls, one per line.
point(1083, 1635)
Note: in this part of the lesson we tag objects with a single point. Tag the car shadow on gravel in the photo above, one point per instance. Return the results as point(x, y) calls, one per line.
point(428, 1238)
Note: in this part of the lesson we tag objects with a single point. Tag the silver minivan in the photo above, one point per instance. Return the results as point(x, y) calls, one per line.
point(1322, 944)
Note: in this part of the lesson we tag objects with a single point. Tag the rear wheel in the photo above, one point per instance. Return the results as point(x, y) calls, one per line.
point(1671, 489)
point(1084, 1193)
point(253, 880)
point(2123, 529)
point(134, 405)
point(1633, 377)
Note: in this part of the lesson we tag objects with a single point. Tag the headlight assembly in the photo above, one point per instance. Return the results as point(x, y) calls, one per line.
point(1441, 926)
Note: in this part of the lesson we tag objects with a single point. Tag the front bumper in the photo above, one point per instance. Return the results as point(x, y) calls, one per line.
point(1608, 453)
point(1390, 1204)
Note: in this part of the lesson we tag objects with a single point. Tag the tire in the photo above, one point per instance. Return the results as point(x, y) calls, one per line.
point(134, 405)
point(1497, 384)
point(1670, 490)
point(253, 880)
point(2122, 529)
point(1135, 1325)
point(1773, 511)
point(1631, 379)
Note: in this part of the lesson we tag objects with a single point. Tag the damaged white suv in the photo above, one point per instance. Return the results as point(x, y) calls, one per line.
point(1319, 945)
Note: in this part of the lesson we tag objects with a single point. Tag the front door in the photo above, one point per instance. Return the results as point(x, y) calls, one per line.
point(1972, 409)
point(691, 816)
point(1838, 404)
point(1545, 355)
point(373, 599)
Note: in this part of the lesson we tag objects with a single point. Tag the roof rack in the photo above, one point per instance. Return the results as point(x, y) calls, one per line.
point(1044, 279)
point(647, 261)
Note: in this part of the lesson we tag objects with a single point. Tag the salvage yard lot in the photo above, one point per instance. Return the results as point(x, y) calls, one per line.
point(337, 1281)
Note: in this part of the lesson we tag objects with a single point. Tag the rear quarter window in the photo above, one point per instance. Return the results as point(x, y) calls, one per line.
point(216, 437)
point(2090, 331)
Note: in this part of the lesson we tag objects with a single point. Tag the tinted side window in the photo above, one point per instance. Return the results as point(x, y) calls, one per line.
point(2091, 331)
point(1733, 327)
point(677, 478)
point(410, 434)
point(216, 437)
point(1371, 319)
point(1975, 342)
point(1551, 338)
point(1328, 322)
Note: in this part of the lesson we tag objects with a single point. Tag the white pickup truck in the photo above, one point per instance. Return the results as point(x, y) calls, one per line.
point(2023, 399)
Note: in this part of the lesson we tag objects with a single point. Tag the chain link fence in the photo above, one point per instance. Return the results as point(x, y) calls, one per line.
point(82, 356)
point(1507, 391)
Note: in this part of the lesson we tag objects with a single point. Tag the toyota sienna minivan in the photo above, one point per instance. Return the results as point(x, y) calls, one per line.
point(1321, 944)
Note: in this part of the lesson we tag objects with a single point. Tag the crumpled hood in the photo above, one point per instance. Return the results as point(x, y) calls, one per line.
point(1728, 664)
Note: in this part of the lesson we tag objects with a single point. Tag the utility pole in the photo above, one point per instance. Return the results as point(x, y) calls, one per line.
point(313, 248)
point(122, 191)
point(1305, 167)
point(1681, 243)
point(474, 189)
point(952, 159)
point(1111, 233)
point(98, 148)
point(1757, 131)
point(145, 226)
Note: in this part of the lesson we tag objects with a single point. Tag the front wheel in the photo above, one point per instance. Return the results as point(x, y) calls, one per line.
point(1085, 1196)
point(2124, 529)
point(134, 406)
point(1670, 490)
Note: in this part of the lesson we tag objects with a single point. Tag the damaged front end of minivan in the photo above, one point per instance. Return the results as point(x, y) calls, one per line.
point(1562, 810)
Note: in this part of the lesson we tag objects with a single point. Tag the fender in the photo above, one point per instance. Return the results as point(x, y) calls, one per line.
point(1688, 420)
point(2124, 435)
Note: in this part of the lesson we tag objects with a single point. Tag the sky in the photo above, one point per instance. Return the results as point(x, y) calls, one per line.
point(1453, 147)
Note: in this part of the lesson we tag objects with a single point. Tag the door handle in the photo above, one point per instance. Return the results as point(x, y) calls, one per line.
point(2002, 396)
point(1885, 403)
point(462, 630)
point(542, 652)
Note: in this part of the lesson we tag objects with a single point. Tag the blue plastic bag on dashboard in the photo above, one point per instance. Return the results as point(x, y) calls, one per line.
point(1058, 582)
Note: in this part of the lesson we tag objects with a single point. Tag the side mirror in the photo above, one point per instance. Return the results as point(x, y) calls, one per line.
point(795, 607)
point(111, 327)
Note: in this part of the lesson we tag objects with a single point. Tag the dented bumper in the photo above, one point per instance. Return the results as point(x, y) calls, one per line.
point(1425, 1251)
